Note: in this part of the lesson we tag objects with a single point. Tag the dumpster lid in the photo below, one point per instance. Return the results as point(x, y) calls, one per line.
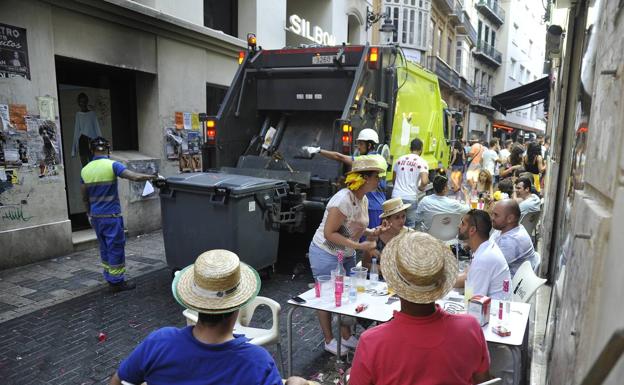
point(235, 184)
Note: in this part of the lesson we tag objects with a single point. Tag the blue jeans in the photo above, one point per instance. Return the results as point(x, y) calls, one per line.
point(322, 262)
point(110, 234)
point(410, 218)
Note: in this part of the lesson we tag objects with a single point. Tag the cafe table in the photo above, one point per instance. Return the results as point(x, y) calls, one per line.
point(380, 310)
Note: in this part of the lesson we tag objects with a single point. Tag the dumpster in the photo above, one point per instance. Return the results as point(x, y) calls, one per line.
point(204, 211)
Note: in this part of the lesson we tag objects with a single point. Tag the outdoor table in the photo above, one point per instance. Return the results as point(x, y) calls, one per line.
point(378, 310)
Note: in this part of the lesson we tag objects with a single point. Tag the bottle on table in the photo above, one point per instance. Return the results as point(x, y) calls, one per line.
point(340, 273)
point(374, 271)
point(507, 304)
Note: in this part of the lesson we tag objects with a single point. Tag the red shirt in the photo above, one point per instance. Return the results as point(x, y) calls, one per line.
point(438, 349)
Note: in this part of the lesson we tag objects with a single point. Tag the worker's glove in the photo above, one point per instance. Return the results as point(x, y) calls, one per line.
point(309, 151)
point(159, 181)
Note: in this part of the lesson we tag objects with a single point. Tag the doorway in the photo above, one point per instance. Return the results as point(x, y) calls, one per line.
point(110, 95)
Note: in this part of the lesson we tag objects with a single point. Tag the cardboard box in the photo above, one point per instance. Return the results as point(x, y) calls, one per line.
point(479, 307)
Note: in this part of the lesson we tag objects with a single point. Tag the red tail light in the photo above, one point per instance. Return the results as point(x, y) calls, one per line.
point(211, 132)
point(347, 138)
point(241, 57)
point(373, 58)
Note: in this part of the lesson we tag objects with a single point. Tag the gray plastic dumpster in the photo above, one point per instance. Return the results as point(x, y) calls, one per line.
point(205, 211)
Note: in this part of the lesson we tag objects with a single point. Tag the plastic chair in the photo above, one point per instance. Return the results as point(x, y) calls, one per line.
point(529, 221)
point(492, 381)
point(445, 226)
point(525, 283)
point(257, 336)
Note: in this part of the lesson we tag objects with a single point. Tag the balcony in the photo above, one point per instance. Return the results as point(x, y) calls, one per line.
point(466, 90)
point(465, 28)
point(492, 10)
point(444, 72)
point(456, 13)
point(445, 6)
point(488, 54)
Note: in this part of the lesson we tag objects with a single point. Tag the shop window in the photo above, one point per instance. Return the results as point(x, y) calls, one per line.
point(222, 15)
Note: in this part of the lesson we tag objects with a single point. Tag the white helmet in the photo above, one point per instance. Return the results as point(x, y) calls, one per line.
point(368, 134)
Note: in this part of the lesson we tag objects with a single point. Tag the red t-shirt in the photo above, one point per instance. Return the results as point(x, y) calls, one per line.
point(438, 349)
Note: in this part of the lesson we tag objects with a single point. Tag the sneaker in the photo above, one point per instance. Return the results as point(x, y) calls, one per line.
point(350, 343)
point(122, 286)
point(332, 347)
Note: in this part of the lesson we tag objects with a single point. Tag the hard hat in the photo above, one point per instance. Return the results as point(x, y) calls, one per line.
point(100, 144)
point(368, 134)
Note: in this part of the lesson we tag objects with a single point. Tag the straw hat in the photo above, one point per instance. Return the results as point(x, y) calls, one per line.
point(418, 267)
point(393, 206)
point(216, 283)
point(367, 163)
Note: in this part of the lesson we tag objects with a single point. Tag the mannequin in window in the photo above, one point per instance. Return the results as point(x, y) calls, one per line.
point(86, 127)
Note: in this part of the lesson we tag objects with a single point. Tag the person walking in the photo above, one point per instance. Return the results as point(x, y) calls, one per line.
point(99, 192)
point(344, 222)
point(458, 165)
point(411, 176)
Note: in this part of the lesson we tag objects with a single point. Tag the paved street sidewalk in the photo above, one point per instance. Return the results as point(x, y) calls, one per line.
point(29, 288)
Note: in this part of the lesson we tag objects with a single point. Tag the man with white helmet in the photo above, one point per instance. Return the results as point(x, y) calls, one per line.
point(367, 141)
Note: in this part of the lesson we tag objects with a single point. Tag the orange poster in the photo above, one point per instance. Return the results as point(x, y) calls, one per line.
point(17, 116)
point(179, 120)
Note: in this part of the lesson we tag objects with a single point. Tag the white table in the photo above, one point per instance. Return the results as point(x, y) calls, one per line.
point(378, 310)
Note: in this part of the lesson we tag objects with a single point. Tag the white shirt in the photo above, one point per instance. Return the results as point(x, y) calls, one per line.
point(516, 246)
point(356, 213)
point(435, 204)
point(504, 155)
point(487, 271)
point(86, 124)
point(407, 170)
point(489, 160)
point(531, 204)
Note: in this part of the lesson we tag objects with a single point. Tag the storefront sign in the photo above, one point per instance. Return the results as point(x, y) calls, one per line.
point(13, 52)
point(301, 27)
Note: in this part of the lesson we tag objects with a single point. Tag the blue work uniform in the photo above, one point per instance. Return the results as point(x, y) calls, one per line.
point(375, 200)
point(100, 178)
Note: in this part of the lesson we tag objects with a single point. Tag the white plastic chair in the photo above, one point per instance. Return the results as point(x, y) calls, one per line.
point(492, 381)
point(529, 221)
point(445, 226)
point(257, 336)
point(525, 283)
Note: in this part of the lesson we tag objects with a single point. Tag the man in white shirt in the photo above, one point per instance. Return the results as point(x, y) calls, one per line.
point(439, 203)
point(504, 153)
point(527, 201)
point(511, 237)
point(488, 268)
point(411, 175)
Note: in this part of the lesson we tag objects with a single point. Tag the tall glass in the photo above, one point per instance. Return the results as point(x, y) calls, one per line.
point(358, 276)
point(326, 287)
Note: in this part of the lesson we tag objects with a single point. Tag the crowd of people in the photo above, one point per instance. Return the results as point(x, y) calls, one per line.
point(418, 344)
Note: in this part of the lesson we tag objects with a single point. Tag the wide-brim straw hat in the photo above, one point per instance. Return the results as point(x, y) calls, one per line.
point(418, 267)
point(393, 206)
point(367, 163)
point(216, 283)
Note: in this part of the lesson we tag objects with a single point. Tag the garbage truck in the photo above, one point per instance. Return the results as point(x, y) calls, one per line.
point(283, 99)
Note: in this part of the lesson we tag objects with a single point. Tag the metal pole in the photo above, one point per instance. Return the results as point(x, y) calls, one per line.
point(289, 316)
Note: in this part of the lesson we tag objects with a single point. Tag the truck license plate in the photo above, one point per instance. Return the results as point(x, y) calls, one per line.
point(327, 59)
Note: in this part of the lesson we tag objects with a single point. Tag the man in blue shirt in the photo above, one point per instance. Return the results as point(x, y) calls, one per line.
point(208, 353)
point(99, 193)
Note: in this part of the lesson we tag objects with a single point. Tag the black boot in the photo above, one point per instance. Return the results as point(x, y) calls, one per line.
point(121, 286)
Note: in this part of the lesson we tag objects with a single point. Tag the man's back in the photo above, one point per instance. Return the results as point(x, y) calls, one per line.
point(437, 349)
point(531, 204)
point(489, 160)
point(516, 245)
point(100, 179)
point(175, 356)
point(435, 204)
point(407, 171)
point(487, 271)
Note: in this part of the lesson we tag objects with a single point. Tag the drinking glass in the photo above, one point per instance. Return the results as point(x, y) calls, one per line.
point(358, 274)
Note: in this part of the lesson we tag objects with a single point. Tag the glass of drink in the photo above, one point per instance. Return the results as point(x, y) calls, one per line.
point(358, 274)
point(474, 203)
point(326, 287)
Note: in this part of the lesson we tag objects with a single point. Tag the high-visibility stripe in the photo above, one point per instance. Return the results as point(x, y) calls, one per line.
point(107, 198)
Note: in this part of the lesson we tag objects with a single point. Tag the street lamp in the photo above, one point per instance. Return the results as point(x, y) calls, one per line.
point(386, 32)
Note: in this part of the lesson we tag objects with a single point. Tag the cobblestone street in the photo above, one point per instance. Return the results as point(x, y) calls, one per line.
point(58, 343)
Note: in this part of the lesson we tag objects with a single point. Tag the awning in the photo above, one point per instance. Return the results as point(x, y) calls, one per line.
point(520, 96)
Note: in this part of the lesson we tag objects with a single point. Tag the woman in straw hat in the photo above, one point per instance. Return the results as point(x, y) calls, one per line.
point(216, 286)
point(344, 222)
point(393, 216)
point(422, 344)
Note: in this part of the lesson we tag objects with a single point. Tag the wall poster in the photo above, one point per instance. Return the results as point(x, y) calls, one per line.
point(13, 52)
